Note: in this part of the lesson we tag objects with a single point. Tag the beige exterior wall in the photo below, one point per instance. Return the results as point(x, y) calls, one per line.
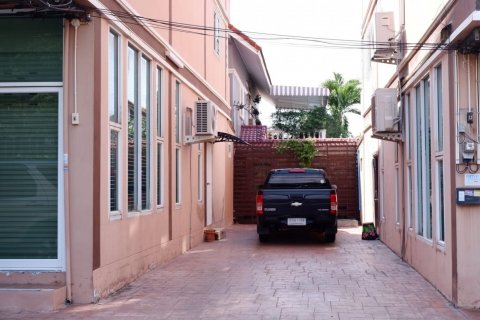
point(450, 265)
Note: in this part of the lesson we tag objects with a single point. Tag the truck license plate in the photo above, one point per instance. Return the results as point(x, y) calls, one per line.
point(297, 221)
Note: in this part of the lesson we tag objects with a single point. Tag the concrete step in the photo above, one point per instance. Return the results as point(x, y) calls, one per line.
point(40, 298)
point(347, 223)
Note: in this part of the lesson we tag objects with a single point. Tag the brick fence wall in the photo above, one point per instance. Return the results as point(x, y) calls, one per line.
point(338, 157)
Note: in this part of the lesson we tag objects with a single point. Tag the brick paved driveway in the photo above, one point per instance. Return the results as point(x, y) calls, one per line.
point(238, 278)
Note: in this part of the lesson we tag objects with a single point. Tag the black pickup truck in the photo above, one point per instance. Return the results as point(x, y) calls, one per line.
point(297, 199)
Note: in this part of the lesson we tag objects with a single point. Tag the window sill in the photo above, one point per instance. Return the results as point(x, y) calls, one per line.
point(115, 216)
point(428, 242)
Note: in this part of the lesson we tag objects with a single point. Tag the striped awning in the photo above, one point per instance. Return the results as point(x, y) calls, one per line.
point(294, 97)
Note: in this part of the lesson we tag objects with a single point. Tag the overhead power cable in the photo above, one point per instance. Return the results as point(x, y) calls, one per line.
point(290, 40)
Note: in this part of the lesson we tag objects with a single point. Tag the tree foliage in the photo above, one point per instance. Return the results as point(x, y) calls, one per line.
point(343, 97)
point(290, 121)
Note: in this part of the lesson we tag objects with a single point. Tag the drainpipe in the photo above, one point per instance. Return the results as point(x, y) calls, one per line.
point(75, 117)
point(454, 99)
point(75, 23)
point(66, 204)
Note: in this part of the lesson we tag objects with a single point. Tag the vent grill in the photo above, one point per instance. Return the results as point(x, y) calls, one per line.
point(205, 118)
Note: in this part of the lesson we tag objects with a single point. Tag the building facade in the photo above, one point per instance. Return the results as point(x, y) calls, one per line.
point(419, 153)
point(98, 179)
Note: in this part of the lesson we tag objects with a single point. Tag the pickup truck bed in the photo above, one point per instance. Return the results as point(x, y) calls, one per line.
point(293, 199)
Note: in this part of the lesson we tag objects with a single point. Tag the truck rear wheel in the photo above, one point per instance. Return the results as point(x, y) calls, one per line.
point(330, 237)
point(263, 237)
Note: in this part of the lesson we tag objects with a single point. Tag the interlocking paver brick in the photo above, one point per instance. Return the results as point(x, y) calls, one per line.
point(289, 278)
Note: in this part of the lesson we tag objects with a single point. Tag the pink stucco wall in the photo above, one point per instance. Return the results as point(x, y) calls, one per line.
point(106, 253)
point(451, 265)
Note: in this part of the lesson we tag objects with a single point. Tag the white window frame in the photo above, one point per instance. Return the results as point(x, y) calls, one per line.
point(408, 157)
point(115, 125)
point(422, 182)
point(438, 114)
point(408, 142)
point(177, 113)
point(160, 174)
point(440, 201)
point(418, 163)
point(117, 82)
point(160, 141)
point(115, 214)
point(139, 80)
point(178, 139)
point(145, 82)
point(439, 156)
point(409, 197)
point(178, 176)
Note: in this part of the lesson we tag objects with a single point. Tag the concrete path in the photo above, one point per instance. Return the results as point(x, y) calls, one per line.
point(300, 278)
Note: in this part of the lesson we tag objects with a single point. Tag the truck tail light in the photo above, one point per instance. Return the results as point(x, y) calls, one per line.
point(333, 203)
point(259, 204)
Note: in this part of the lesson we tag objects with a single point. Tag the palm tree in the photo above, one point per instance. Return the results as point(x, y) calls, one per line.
point(343, 95)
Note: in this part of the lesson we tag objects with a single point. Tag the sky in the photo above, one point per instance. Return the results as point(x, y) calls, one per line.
point(303, 64)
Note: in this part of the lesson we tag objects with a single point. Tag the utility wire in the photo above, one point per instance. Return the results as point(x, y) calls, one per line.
point(282, 39)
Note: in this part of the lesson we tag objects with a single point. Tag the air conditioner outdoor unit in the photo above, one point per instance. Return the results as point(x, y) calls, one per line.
point(385, 45)
point(384, 27)
point(205, 117)
point(385, 110)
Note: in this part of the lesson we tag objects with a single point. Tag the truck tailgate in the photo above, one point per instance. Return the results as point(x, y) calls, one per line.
point(295, 204)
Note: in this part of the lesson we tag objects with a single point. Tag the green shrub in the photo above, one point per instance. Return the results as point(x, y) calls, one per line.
point(303, 150)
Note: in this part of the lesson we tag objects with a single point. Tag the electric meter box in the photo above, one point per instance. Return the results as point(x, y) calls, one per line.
point(468, 196)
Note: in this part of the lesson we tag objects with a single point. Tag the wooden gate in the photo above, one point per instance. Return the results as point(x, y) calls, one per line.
point(338, 157)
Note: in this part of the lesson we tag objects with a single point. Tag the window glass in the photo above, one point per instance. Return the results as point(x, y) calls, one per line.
point(139, 143)
point(423, 160)
point(410, 197)
point(428, 159)
point(113, 77)
point(159, 102)
point(439, 108)
point(114, 170)
point(177, 112)
point(159, 174)
point(441, 206)
point(407, 127)
point(132, 159)
point(145, 127)
point(177, 176)
point(419, 160)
